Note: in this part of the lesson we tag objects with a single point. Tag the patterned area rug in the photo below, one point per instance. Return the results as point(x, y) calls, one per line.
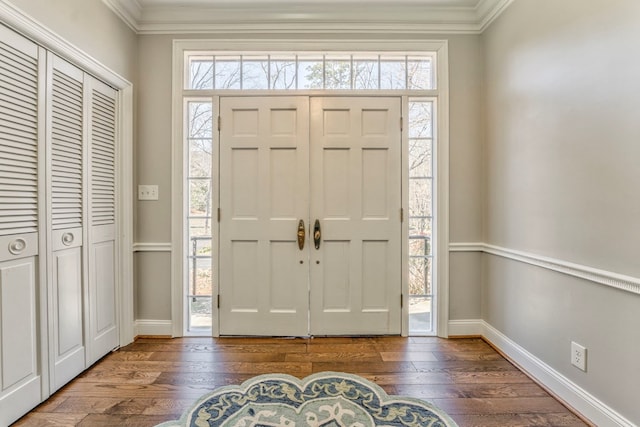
point(327, 399)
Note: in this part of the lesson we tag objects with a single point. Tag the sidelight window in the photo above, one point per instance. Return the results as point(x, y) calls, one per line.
point(199, 215)
point(420, 165)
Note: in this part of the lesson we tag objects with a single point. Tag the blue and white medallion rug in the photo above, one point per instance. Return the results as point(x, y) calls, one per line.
point(327, 399)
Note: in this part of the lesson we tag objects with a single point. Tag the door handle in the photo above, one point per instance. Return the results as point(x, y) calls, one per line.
point(317, 234)
point(301, 234)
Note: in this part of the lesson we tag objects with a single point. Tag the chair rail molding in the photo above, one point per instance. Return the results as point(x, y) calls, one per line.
point(152, 247)
point(603, 277)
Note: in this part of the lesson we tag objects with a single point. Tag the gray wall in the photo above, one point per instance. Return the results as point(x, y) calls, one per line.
point(465, 171)
point(90, 26)
point(562, 150)
point(154, 166)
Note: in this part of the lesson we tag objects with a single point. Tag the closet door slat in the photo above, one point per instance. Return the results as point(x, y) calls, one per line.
point(103, 113)
point(18, 142)
point(66, 151)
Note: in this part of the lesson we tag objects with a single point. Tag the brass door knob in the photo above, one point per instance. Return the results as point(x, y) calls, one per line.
point(301, 234)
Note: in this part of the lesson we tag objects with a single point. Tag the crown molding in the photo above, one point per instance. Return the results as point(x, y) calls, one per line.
point(489, 10)
point(130, 11)
point(296, 16)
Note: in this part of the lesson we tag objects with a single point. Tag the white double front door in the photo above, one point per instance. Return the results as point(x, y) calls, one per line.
point(310, 229)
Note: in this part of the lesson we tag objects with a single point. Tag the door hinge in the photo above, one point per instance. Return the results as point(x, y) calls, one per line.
point(218, 301)
point(219, 215)
point(401, 214)
point(401, 124)
point(219, 123)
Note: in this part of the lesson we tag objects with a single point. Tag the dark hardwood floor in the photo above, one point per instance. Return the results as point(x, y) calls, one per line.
point(154, 380)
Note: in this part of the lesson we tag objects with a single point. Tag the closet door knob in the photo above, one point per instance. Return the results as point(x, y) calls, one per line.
point(17, 246)
point(67, 239)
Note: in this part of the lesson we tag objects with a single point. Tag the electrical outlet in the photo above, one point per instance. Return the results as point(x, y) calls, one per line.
point(578, 356)
point(147, 192)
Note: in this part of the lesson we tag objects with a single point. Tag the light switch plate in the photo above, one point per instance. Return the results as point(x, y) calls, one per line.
point(147, 192)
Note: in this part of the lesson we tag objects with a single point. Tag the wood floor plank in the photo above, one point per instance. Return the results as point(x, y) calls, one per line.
point(465, 366)
point(419, 378)
point(334, 357)
point(153, 380)
point(372, 367)
point(519, 420)
point(37, 419)
point(253, 357)
point(466, 355)
point(163, 391)
point(110, 420)
point(408, 356)
point(151, 406)
point(88, 405)
point(434, 391)
point(508, 405)
point(493, 377)
point(127, 377)
point(433, 346)
point(365, 347)
point(237, 367)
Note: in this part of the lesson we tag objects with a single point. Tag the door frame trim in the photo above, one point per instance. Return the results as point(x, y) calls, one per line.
point(344, 42)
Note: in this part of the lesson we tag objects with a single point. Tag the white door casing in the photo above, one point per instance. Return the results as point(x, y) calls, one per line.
point(264, 169)
point(353, 284)
point(356, 197)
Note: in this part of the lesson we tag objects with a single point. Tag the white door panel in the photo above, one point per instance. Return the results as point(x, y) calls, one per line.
point(101, 220)
point(23, 340)
point(19, 375)
point(264, 193)
point(103, 321)
point(65, 196)
point(356, 196)
point(68, 355)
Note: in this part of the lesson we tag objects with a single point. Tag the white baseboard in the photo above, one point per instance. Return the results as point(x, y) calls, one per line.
point(575, 396)
point(153, 327)
point(468, 327)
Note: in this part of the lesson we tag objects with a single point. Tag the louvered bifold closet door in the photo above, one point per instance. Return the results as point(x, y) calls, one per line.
point(65, 167)
point(21, 114)
point(103, 328)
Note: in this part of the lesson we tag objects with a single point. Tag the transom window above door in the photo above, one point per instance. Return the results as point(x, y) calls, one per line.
point(310, 71)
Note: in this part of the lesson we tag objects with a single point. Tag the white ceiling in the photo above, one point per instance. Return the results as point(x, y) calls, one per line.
point(303, 16)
